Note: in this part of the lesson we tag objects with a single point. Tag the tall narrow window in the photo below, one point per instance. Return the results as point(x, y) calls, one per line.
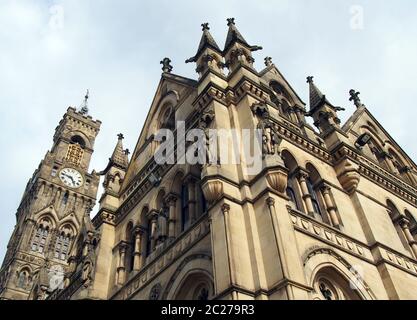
point(203, 202)
point(313, 194)
point(148, 237)
point(39, 240)
point(22, 280)
point(62, 247)
point(291, 195)
point(65, 199)
point(184, 207)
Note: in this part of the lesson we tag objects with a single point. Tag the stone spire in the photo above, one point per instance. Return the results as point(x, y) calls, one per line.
point(84, 105)
point(323, 112)
point(207, 41)
point(237, 52)
point(234, 36)
point(120, 156)
point(208, 56)
point(317, 98)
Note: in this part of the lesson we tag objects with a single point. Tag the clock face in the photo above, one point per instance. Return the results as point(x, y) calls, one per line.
point(71, 177)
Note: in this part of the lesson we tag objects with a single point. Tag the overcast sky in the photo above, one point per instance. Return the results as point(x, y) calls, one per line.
point(52, 51)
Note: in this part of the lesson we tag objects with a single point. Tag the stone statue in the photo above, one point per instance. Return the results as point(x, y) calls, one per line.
point(204, 124)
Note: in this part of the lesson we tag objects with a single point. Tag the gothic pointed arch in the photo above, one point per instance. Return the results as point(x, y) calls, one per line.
point(341, 280)
point(192, 279)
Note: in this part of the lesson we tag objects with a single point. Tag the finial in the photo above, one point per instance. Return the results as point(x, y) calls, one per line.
point(205, 26)
point(120, 136)
point(310, 79)
point(84, 106)
point(268, 61)
point(230, 21)
point(127, 152)
point(166, 65)
point(354, 96)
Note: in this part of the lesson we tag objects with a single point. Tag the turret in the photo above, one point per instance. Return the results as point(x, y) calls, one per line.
point(236, 49)
point(209, 55)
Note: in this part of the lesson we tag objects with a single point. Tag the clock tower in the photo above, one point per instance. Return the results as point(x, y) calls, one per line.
point(51, 213)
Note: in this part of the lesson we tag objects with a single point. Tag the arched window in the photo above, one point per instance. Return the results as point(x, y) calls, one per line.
point(146, 237)
point(131, 247)
point(197, 286)
point(378, 153)
point(413, 224)
point(395, 218)
point(62, 247)
point(291, 195)
point(292, 184)
point(40, 238)
point(314, 200)
point(330, 285)
point(167, 118)
point(282, 99)
point(75, 150)
point(65, 198)
point(23, 279)
point(202, 201)
point(63, 242)
point(184, 208)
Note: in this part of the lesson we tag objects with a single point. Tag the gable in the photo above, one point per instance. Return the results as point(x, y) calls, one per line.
point(271, 74)
point(171, 93)
point(362, 121)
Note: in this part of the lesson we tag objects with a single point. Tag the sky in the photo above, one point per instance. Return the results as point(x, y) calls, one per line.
point(52, 51)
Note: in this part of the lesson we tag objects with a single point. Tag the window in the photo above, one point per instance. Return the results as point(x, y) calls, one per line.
point(184, 207)
point(23, 279)
point(65, 199)
point(39, 240)
point(203, 294)
point(316, 206)
point(148, 238)
point(75, 150)
point(62, 247)
point(329, 284)
point(54, 171)
point(203, 202)
point(291, 195)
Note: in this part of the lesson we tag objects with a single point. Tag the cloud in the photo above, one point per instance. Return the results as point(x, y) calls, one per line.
point(52, 51)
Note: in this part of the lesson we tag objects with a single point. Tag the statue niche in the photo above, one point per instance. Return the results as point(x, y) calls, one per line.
point(270, 138)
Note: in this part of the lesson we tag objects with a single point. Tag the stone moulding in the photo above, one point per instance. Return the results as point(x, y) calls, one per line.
point(212, 187)
point(348, 175)
point(355, 162)
point(337, 239)
point(166, 258)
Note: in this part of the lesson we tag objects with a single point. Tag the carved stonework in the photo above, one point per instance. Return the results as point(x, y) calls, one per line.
point(213, 190)
point(277, 179)
point(155, 292)
point(348, 175)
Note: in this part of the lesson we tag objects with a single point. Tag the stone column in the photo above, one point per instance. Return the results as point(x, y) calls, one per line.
point(279, 242)
point(299, 113)
point(302, 178)
point(226, 215)
point(405, 226)
point(171, 201)
point(121, 269)
point(137, 254)
point(330, 206)
point(293, 115)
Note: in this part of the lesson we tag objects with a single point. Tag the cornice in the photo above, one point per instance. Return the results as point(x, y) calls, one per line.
point(374, 172)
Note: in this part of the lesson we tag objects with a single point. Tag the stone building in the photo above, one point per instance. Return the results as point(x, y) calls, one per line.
point(331, 214)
